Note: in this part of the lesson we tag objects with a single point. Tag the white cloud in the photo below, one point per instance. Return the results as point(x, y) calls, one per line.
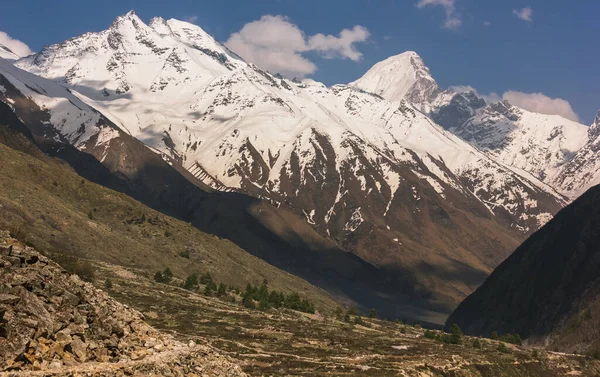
point(487, 23)
point(462, 89)
point(453, 20)
point(191, 19)
point(525, 14)
point(15, 45)
point(276, 44)
point(541, 103)
point(342, 46)
point(491, 97)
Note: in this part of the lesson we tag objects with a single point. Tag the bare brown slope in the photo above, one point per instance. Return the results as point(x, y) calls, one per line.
point(549, 286)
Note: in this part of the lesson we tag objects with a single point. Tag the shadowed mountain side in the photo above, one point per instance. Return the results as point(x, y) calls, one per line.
point(548, 287)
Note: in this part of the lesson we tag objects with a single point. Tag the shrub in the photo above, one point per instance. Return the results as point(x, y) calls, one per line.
point(502, 348)
point(494, 335)
point(476, 343)
point(185, 254)
point(430, 334)
point(158, 277)
point(108, 284)
point(167, 275)
point(347, 317)
point(206, 279)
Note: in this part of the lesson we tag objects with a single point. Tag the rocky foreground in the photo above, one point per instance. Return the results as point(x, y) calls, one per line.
point(52, 323)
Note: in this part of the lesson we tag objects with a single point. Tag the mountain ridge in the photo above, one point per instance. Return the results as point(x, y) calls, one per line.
point(375, 177)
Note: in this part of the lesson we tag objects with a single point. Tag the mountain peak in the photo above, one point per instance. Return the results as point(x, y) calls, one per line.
point(402, 76)
point(129, 17)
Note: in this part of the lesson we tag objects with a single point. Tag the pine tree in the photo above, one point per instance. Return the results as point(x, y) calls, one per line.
point(373, 313)
point(222, 291)
point(191, 281)
point(247, 301)
point(456, 334)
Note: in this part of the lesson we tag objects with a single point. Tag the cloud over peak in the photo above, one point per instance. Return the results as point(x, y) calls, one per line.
point(276, 44)
point(15, 45)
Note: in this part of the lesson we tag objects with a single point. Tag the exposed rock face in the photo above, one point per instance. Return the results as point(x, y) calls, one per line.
point(53, 322)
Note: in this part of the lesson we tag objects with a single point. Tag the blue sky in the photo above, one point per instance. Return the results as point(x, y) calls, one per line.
point(493, 46)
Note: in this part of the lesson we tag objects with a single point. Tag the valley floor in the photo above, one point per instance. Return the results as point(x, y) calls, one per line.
point(284, 343)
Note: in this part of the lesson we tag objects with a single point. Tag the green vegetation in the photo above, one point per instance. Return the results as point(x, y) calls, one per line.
point(163, 277)
point(512, 339)
point(502, 348)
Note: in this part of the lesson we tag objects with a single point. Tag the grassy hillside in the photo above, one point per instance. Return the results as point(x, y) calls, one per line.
point(46, 204)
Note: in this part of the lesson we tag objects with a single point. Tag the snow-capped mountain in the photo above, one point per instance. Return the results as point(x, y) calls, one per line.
point(400, 77)
point(50, 105)
point(536, 143)
point(582, 171)
point(363, 163)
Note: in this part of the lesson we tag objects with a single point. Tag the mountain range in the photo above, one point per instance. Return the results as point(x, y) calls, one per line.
point(418, 191)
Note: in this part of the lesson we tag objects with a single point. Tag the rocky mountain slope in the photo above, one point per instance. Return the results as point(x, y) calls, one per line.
point(373, 176)
point(55, 323)
point(583, 169)
point(547, 290)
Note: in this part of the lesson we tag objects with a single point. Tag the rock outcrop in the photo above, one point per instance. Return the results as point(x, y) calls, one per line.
point(54, 323)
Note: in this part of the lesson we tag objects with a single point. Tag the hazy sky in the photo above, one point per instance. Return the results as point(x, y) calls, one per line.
point(540, 54)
